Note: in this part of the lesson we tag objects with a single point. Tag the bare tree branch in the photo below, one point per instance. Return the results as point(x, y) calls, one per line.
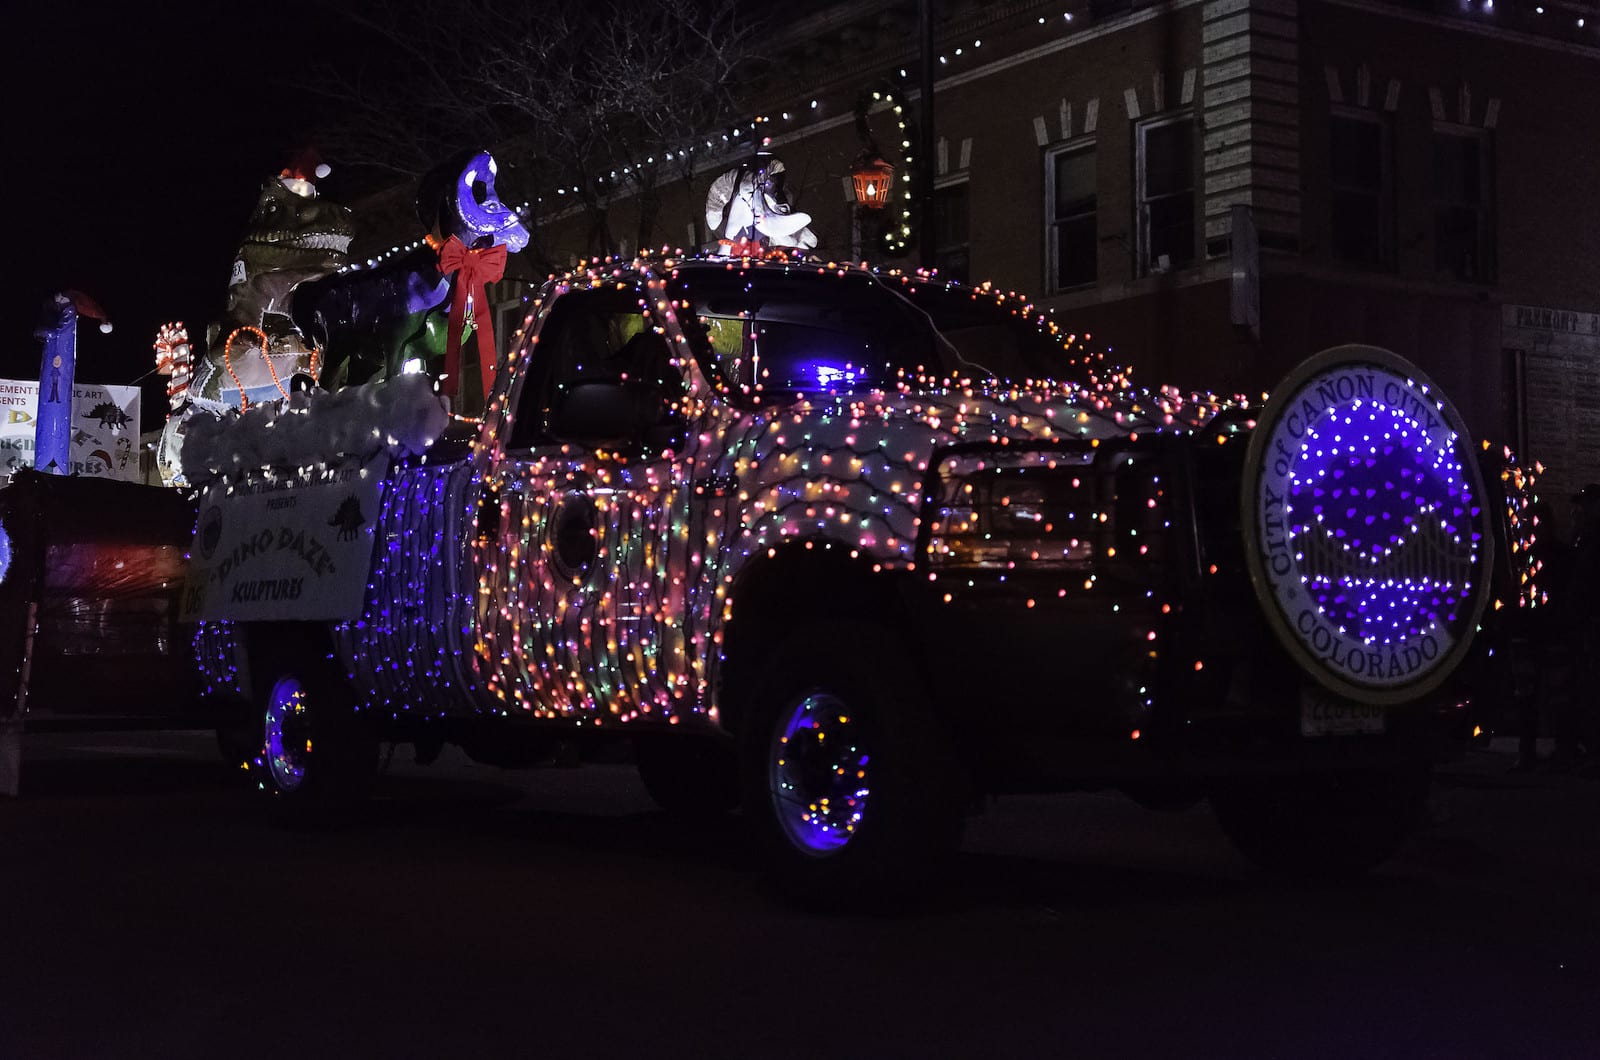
point(593, 101)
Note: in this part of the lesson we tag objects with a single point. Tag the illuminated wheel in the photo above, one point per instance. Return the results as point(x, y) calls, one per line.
point(315, 753)
point(819, 774)
point(1323, 826)
point(288, 746)
point(849, 777)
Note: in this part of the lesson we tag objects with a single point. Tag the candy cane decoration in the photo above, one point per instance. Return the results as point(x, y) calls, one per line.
point(173, 357)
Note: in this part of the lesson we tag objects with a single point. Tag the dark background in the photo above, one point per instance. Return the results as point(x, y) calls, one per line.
point(139, 138)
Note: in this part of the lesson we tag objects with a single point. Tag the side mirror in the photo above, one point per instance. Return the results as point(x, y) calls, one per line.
point(606, 415)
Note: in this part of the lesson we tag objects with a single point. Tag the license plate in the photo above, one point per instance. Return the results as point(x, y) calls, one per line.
point(1322, 715)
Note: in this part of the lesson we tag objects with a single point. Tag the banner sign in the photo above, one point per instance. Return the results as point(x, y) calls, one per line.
point(105, 429)
point(297, 547)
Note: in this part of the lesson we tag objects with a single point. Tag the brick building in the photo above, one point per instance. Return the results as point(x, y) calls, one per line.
point(1218, 188)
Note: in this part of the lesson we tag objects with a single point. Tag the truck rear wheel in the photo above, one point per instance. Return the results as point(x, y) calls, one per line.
point(849, 777)
point(316, 755)
point(1323, 826)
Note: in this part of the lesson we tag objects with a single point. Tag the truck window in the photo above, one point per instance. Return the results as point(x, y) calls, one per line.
point(595, 336)
point(776, 335)
point(984, 335)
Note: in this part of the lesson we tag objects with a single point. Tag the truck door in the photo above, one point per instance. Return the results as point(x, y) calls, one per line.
point(576, 604)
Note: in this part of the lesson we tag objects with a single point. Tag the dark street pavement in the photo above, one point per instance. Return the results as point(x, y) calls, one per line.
point(148, 910)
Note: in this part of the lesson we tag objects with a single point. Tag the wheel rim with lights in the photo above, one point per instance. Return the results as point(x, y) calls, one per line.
point(288, 744)
point(817, 774)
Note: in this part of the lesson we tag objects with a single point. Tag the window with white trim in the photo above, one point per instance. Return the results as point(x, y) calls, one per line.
point(952, 251)
point(1071, 218)
point(1166, 192)
point(1463, 204)
point(1361, 188)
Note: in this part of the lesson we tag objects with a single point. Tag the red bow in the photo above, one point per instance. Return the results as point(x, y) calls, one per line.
point(477, 267)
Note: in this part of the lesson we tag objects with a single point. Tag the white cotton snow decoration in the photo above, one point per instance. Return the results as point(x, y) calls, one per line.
point(402, 416)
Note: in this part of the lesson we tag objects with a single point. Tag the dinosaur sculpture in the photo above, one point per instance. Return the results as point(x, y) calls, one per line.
point(370, 321)
point(293, 237)
point(747, 205)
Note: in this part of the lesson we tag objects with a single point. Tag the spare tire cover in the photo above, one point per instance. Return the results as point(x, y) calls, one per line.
point(1366, 531)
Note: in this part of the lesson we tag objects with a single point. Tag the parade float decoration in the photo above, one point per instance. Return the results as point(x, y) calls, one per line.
point(371, 321)
point(747, 209)
point(255, 352)
point(381, 340)
point(762, 501)
point(175, 360)
point(1521, 526)
point(853, 464)
point(608, 550)
point(58, 332)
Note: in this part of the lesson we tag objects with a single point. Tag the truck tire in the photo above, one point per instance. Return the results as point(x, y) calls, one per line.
point(688, 775)
point(849, 777)
point(316, 755)
point(1323, 826)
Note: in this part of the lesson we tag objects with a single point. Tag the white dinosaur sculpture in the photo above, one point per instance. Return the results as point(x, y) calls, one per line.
point(746, 204)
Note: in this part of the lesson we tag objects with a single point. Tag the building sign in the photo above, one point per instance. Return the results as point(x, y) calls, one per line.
point(105, 429)
point(1561, 393)
point(295, 547)
point(1369, 539)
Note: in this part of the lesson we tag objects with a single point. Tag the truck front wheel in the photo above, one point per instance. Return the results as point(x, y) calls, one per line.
point(316, 755)
point(849, 777)
point(1323, 826)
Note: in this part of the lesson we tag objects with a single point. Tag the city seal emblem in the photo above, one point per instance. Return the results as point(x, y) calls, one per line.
point(1366, 529)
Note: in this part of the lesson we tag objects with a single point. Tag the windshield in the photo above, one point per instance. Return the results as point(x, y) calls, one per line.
point(787, 332)
point(772, 331)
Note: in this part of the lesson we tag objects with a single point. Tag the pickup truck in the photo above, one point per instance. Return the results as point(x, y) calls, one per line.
point(835, 546)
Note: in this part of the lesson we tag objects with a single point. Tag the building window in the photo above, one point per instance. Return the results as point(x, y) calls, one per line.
point(1362, 189)
point(1071, 256)
point(951, 254)
point(1463, 204)
point(1166, 159)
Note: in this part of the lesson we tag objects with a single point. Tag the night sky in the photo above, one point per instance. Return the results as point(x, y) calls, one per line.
point(141, 138)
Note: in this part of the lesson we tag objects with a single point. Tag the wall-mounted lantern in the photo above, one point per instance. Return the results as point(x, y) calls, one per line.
point(873, 179)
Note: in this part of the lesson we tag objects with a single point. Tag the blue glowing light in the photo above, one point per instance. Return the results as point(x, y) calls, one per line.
point(286, 731)
point(818, 775)
point(1381, 523)
point(827, 374)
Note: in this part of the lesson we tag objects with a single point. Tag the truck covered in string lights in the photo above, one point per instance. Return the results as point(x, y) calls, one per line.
point(841, 547)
